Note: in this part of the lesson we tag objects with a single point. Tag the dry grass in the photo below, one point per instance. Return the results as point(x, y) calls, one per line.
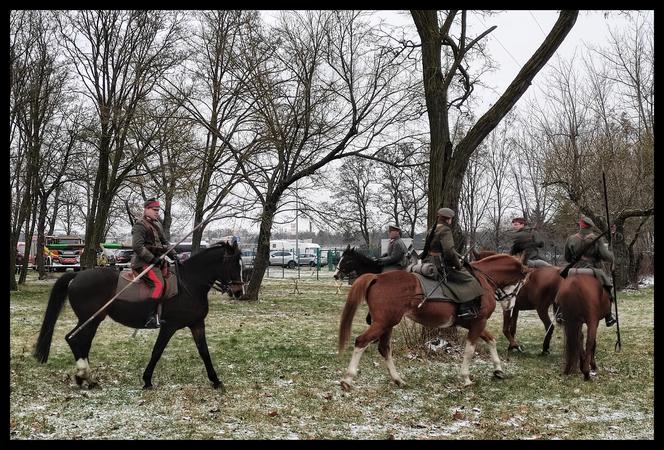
point(277, 358)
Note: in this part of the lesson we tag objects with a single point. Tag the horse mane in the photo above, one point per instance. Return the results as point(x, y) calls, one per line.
point(361, 256)
point(229, 249)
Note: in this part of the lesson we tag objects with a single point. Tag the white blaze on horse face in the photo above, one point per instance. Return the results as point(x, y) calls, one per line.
point(336, 272)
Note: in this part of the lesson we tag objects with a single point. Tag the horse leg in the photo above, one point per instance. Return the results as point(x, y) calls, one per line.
point(385, 349)
point(491, 343)
point(543, 314)
point(474, 332)
point(590, 345)
point(165, 335)
point(373, 333)
point(509, 329)
point(198, 332)
point(80, 347)
point(593, 364)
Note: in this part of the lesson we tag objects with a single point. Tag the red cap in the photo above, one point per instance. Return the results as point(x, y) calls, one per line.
point(151, 204)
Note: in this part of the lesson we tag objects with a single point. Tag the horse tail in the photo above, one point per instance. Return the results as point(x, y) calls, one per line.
point(569, 304)
point(357, 293)
point(55, 303)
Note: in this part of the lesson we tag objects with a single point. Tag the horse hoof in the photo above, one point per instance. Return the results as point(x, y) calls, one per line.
point(79, 380)
point(219, 385)
point(545, 353)
point(93, 385)
point(517, 348)
point(147, 387)
point(400, 383)
point(593, 374)
point(345, 386)
point(499, 374)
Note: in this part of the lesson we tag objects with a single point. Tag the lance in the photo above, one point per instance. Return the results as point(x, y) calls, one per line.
point(146, 270)
point(613, 271)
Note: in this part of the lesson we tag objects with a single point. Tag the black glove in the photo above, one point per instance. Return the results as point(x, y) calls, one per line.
point(156, 261)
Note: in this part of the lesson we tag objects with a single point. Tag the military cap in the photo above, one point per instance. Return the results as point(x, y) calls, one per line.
point(394, 228)
point(519, 220)
point(446, 212)
point(151, 203)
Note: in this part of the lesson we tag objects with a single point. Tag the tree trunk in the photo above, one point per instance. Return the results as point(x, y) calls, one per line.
point(262, 259)
point(448, 164)
point(41, 238)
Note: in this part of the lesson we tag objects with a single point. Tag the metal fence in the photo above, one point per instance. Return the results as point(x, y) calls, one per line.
point(282, 265)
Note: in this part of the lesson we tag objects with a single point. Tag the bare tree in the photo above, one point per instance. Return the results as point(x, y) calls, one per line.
point(605, 135)
point(119, 57)
point(449, 162)
point(37, 88)
point(217, 103)
point(354, 207)
point(403, 186)
point(475, 196)
point(331, 89)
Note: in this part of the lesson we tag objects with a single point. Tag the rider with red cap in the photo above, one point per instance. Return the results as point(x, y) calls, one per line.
point(576, 247)
point(526, 240)
point(148, 242)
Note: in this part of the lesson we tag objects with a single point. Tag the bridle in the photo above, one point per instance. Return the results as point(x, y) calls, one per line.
point(499, 292)
point(224, 286)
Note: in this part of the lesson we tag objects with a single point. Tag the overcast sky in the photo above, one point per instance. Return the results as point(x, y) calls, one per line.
point(518, 34)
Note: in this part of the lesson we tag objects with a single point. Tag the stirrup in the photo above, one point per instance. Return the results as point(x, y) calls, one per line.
point(469, 313)
point(153, 322)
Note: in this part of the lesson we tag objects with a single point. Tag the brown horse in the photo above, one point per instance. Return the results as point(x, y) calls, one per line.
point(538, 293)
point(392, 295)
point(582, 299)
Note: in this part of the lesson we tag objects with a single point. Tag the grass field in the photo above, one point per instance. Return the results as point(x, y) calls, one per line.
point(277, 358)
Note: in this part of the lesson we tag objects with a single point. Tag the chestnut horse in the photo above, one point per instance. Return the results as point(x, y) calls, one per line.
point(581, 299)
point(538, 293)
point(392, 295)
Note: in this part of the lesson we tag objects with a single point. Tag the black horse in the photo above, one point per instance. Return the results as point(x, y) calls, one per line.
point(352, 264)
point(219, 265)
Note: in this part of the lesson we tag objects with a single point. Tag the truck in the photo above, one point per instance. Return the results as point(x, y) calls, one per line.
point(60, 252)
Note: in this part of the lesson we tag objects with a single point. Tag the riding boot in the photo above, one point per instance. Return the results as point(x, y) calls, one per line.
point(609, 320)
point(153, 320)
point(468, 310)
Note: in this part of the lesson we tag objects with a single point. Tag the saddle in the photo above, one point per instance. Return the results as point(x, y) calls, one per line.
point(582, 271)
point(537, 263)
point(140, 291)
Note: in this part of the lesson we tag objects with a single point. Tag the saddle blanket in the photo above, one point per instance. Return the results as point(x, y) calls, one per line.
point(434, 289)
point(139, 291)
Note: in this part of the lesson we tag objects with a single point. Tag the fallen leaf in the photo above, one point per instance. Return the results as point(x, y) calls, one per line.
point(458, 415)
point(273, 414)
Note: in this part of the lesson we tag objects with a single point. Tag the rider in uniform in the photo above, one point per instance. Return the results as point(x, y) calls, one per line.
point(526, 240)
point(592, 257)
point(148, 243)
point(443, 255)
point(396, 257)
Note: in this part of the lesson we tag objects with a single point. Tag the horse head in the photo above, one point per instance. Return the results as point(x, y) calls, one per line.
point(353, 263)
point(221, 265)
point(506, 274)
